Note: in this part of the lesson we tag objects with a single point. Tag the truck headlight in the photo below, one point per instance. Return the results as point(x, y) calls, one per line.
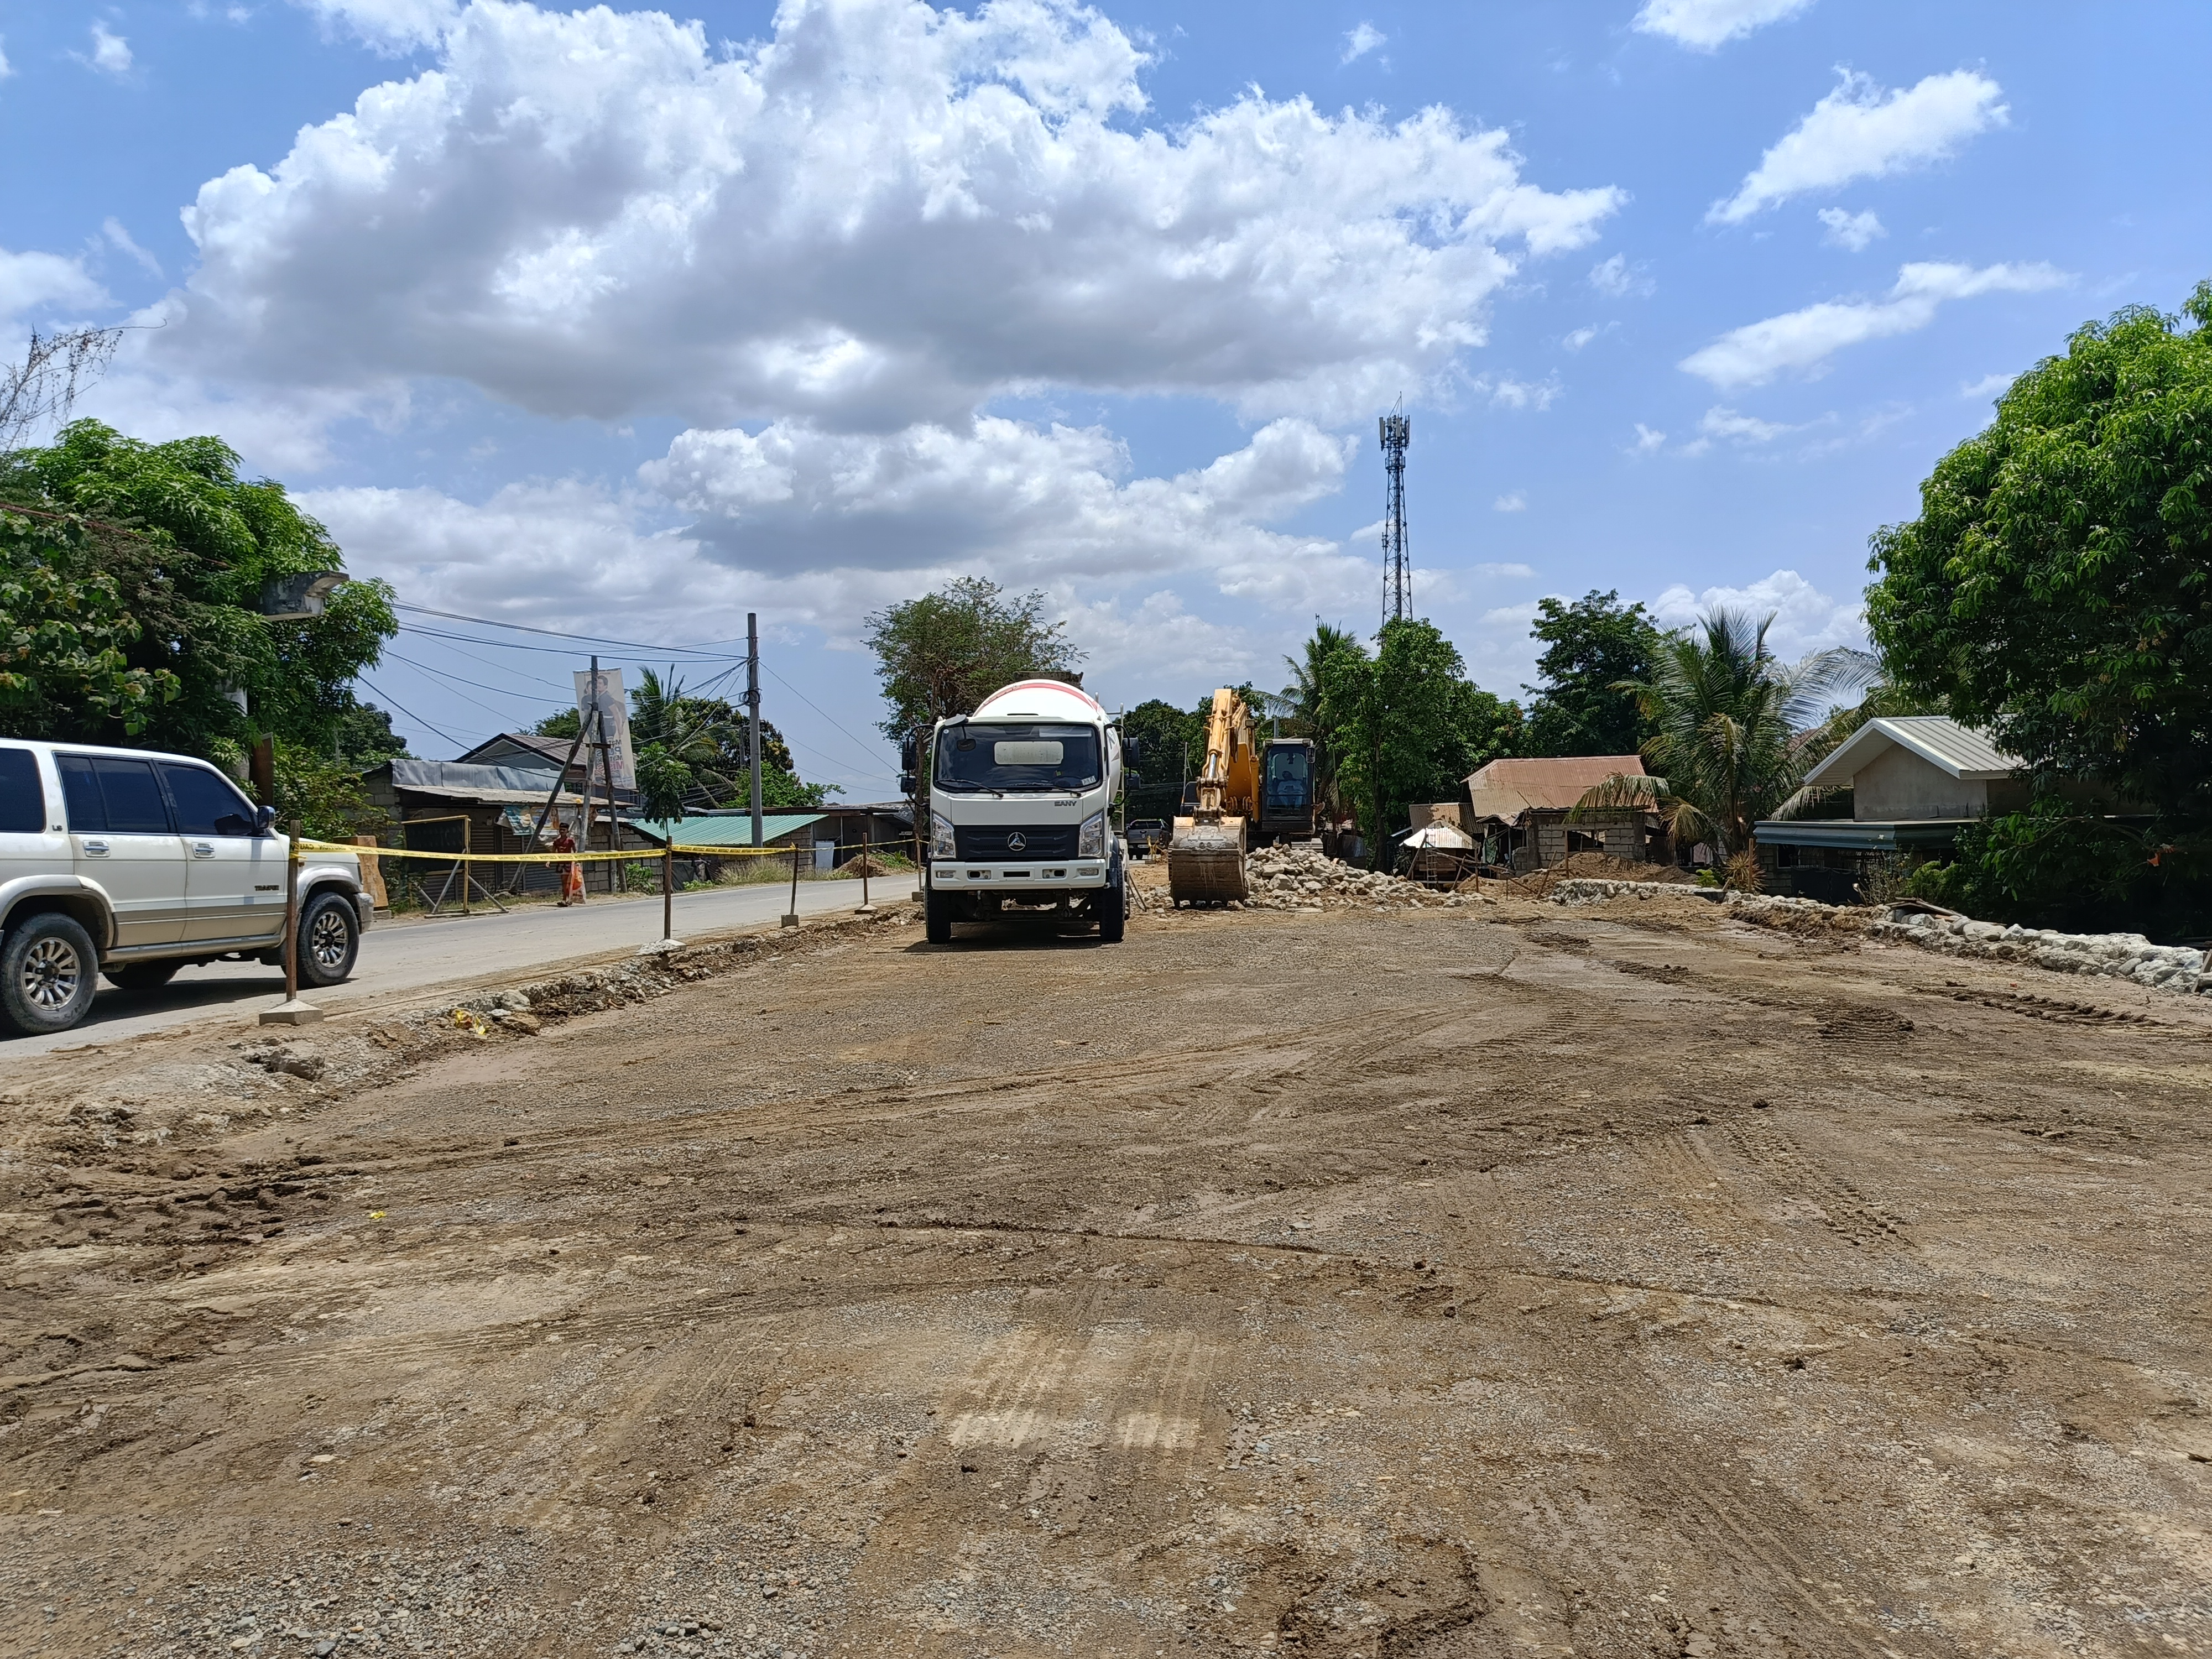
point(1090, 840)
point(941, 844)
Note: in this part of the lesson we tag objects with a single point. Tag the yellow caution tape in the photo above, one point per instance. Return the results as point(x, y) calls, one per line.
point(309, 845)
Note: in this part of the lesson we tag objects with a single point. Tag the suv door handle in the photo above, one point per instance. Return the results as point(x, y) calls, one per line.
point(97, 848)
point(205, 849)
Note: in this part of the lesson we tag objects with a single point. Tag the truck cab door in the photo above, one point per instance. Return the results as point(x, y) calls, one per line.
point(234, 876)
point(120, 837)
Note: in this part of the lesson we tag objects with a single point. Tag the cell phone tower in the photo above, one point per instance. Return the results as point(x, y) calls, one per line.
point(1397, 580)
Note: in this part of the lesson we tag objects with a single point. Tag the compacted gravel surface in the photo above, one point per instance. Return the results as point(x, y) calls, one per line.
point(1482, 1279)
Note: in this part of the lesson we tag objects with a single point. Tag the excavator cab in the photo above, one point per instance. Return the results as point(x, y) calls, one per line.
point(1286, 791)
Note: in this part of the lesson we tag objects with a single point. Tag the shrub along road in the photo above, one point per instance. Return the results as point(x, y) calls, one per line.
point(1624, 1281)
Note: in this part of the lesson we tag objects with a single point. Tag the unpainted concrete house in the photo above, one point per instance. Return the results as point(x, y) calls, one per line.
point(1516, 811)
point(1899, 787)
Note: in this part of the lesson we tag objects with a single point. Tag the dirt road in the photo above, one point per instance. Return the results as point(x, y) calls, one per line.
point(1510, 1280)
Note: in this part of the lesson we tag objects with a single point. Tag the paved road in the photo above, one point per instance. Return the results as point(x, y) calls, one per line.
point(398, 957)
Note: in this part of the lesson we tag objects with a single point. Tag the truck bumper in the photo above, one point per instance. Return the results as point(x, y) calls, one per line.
point(1057, 875)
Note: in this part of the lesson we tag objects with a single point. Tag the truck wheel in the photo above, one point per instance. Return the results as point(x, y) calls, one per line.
point(330, 939)
point(1113, 903)
point(142, 975)
point(48, 972)
point(937, 916)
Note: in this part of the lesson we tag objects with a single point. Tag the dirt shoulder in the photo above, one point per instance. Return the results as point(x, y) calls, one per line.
point(1625, 1280)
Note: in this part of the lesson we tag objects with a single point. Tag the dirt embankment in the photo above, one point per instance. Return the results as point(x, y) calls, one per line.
point(1482, 1281)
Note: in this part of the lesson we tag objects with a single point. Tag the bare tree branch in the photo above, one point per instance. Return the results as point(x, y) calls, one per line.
point(44, 386)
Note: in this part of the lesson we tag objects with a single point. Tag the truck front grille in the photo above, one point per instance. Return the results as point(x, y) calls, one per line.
point(1050, 841)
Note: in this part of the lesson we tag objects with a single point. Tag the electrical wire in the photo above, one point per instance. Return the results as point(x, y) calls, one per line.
point(872, 760)
point(497, 691)
point(555, 632)
point(500, 667)
point(411, 714)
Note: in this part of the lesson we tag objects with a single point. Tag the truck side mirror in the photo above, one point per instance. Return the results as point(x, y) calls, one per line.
point(263, 818)
point(1132, 751)
point(906, 755)
point(907, 781)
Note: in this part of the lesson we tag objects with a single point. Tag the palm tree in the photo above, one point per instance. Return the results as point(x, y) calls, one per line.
point(1296, 706)
point(1731, 718)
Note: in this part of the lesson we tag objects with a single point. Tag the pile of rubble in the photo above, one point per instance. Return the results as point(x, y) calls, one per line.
point(1287, 877)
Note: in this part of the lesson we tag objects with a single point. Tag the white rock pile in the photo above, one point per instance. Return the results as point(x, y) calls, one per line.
point(2112, 956)
point(1284, 877)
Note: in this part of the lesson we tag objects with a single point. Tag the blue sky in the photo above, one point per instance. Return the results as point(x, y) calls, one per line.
point(625, 322)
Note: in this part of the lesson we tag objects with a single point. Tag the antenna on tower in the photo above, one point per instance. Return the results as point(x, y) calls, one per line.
point(1397, 580)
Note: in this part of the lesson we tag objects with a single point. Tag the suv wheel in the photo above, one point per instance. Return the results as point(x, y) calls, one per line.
point(48, 972)
point(330, 938)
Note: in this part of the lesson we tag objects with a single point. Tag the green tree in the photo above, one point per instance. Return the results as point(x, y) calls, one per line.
point(65, 633)
point(1406, 724)
point(2057, 588)
point(1593, 648)
point(696, 751)
point(185, 545)
point(943, 653)
point(1726, 714)
point(1168, 739)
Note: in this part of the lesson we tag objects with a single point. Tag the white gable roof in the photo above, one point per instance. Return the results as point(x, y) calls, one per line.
point(1936, 738)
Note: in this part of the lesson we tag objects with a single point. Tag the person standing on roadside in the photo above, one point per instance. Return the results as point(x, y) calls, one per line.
point(572, 873)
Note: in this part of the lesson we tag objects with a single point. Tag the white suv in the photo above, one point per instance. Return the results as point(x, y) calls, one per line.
point(131, 864)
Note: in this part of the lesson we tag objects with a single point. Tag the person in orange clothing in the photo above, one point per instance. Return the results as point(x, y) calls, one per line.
point(572, 875)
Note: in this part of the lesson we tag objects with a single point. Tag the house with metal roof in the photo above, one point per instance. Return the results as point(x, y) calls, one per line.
point(1912, 782)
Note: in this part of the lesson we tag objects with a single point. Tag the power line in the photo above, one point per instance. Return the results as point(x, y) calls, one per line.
point(503, 668)
point(497, 691)
point(873, 760)
point(651, 653)
point(555, 632)
point(411, 714)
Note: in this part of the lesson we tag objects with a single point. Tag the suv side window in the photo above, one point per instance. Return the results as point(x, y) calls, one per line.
point(206, 805)
point(22, 796)
point(87, 812)
point(118, 796)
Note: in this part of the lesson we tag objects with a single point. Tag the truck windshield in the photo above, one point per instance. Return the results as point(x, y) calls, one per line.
point(1028, 758)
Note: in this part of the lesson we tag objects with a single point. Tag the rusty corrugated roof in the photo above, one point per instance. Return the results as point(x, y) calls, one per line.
point(1505, 789)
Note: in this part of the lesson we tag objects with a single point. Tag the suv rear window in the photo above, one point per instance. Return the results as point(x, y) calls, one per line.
point(206, 805)
point(119, 797)
point(22, 799)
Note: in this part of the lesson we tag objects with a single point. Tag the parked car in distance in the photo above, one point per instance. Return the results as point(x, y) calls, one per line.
point(133, 863)
point(1143, 835)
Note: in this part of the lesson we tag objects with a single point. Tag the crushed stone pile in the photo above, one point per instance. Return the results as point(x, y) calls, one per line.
point(1299, 878)
point(2113, 956)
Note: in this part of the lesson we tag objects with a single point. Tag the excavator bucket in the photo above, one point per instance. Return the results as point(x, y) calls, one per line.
point(1205, 862)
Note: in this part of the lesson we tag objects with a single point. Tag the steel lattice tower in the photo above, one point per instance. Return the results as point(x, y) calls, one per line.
point(1397, 579)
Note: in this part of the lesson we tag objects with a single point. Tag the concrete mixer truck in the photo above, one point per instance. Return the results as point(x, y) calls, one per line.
point(1018, 793)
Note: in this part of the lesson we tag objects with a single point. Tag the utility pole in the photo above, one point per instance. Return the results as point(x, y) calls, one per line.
point(1397, 581)
point(752, 712)
point(606, 774)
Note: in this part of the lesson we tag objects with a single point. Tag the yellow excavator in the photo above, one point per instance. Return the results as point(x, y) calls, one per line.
point(1206, 858)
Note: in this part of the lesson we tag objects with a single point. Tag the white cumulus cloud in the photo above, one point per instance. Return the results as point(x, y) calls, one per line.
point(1512, 503)
point(388, 25)
point(1988, 386)
point(1359, 42)
point(28, 281)
point(1858, 131)
point(113, 233)
point(1805, 618)
point(883, 215)
point(1854, 231)
point(1737, 427)
point(1803, 340)
point(1703, 25)
point(1649, 439)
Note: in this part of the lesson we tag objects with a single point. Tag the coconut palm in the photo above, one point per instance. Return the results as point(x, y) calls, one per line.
point(1296, 706)
point(1731, 716)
